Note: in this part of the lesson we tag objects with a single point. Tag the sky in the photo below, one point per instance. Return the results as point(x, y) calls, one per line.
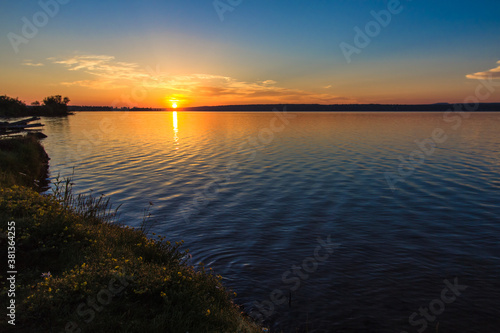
point(154, 53)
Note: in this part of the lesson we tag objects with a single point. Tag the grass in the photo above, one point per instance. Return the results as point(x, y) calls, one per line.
point(23, 162)
point(103, 277)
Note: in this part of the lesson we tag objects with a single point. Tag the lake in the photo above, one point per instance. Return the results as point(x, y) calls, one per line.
point(321, 222)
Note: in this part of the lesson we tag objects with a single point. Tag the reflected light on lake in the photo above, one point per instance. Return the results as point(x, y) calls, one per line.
point(176, 127)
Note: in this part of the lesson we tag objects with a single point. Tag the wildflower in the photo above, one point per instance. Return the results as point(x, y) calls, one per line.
point(46, 275)
point(162, 294)
point(208, 313)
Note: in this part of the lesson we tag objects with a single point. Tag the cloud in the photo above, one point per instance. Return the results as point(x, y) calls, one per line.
point(489, 74)
point(327, 87)
point(95, 84)
point(107, 73)
point(31, 63)
point(111, 73)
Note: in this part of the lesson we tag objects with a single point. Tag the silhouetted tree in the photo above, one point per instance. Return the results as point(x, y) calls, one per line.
point(12, 107)
point(55, 106)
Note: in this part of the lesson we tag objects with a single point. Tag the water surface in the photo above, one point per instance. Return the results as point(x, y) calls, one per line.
point(251, 194)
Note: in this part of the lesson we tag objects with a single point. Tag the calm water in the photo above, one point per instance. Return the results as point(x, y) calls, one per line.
point(251, 194)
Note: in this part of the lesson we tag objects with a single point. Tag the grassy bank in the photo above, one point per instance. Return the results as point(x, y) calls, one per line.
point(103, 277)
point(23, 162)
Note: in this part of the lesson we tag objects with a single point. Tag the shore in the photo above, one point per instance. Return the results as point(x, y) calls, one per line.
point(75, 270)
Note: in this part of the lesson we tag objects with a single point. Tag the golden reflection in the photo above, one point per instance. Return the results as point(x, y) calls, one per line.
point(176, 128)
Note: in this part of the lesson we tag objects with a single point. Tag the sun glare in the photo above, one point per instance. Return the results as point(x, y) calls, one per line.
point(174, 105)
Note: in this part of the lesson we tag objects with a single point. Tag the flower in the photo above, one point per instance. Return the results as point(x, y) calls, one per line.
point(208, 313)
point(46, 275)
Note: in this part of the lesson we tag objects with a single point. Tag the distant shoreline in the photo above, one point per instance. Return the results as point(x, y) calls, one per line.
point(441, 107)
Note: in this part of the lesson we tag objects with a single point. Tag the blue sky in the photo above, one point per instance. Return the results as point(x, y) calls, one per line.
point(422, 56)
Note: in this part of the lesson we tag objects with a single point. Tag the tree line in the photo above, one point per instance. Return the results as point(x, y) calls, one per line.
point(51, 106)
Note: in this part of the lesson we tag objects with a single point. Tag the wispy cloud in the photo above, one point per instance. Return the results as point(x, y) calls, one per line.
point(103, 66)
point(108, 73)
point(96, 84)
point(31, 63)
point(492, 73)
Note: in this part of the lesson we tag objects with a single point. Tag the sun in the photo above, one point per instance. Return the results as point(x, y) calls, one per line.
point(174, 105)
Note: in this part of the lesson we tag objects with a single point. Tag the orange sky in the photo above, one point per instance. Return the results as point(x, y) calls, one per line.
point(106, 80)
point(151, 56)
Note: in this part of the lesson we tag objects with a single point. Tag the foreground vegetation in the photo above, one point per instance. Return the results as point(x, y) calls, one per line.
point(24, 162)
point(80, 272)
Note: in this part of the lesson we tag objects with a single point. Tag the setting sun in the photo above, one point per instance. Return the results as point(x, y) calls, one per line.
point(174, 105)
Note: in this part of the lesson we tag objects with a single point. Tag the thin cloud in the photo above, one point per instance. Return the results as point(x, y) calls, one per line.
point(492, 73)
point(31, 63)
point(103, 66)
point(95, 84)
point(108, 73)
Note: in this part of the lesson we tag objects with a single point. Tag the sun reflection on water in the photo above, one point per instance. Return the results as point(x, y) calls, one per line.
point(176, 128)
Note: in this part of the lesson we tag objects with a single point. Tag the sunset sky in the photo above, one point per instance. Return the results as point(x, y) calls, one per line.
point(201, 52)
